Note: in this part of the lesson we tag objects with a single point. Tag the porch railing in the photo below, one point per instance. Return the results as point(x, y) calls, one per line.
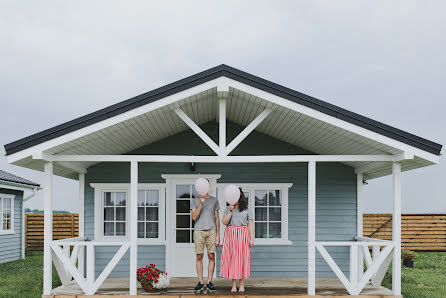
point(377, 263)
point(66, 254)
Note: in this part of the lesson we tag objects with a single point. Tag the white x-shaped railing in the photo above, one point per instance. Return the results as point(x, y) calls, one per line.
point(68, 268)
point(359, 251)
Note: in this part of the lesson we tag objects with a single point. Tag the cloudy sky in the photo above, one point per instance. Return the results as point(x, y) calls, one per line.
point(383, 59)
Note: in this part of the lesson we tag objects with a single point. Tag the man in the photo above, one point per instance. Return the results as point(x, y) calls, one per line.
point(206, 233)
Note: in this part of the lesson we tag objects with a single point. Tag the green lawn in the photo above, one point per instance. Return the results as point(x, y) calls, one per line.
point(427, 279)
point(23, 278)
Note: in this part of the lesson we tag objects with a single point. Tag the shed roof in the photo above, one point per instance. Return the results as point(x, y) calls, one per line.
point(8, 177)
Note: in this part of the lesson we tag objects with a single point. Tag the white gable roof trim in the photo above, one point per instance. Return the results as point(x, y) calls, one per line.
point(244, 92)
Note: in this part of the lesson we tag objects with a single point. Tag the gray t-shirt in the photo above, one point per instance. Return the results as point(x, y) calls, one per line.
point(239, 218)
point(206, 220)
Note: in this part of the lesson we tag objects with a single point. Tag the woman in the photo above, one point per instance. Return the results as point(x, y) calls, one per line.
point(237, 243)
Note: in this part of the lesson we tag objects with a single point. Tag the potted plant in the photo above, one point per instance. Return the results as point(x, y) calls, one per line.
point(408, 257)
point(151, 278)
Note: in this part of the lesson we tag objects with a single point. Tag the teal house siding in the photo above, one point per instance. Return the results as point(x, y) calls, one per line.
point(11, 244)
point(336, 200)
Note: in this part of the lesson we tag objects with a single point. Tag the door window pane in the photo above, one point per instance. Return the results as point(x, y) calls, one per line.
point(183, 236)
point(183, 221)
point(183, 206)
point(183, 191)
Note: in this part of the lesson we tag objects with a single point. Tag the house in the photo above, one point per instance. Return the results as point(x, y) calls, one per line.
point(12, 215)
point(300, 161)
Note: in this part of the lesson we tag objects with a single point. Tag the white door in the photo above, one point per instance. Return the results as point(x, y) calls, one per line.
point(181, 241)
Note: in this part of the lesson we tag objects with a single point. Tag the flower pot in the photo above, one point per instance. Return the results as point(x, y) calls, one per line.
point(148, 287)
point(408, 263)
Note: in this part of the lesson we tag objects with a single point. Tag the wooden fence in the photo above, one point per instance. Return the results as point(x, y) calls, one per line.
point(421, 232)
point(65, 225)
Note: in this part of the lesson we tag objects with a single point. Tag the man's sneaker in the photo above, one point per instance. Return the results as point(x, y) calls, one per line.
point(199, 287)
point(210, 287)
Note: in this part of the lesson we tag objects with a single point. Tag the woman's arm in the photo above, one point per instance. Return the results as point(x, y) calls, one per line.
point(225, 220)
point(251, 232)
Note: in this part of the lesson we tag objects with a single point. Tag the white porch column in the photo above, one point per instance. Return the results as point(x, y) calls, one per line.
point(359, 220)
point(48, 229)
point(222, 123)
point(133, 226)
point(396, 229)
point(311, 228)
point(81, 257)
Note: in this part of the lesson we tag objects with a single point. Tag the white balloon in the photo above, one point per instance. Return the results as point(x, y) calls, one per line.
point(202, 186)
point(232, 194)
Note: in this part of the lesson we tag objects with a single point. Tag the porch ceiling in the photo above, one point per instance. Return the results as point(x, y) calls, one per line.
point(283, 123)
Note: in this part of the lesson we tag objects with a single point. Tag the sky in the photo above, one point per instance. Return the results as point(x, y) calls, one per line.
point(382, 59)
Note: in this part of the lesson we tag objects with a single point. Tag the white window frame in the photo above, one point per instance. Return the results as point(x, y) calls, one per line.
point(12, 230)
point(252, 187)
point(100, 188)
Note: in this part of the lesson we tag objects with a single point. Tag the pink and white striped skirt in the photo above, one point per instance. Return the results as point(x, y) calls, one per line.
point(236, 253)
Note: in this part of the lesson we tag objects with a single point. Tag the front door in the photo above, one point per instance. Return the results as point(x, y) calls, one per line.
point(182, 248)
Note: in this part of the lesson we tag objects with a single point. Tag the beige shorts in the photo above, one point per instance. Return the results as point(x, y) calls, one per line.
point(205, 237)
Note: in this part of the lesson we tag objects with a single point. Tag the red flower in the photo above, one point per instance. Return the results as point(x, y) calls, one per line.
point(156, 281)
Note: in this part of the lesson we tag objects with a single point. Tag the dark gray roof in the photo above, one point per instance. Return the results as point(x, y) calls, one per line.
point(235, 74)
point(5, 176)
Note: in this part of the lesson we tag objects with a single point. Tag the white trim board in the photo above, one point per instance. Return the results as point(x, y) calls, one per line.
point(228, 159)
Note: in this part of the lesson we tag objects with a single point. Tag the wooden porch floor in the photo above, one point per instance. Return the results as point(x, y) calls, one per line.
point(255, 287)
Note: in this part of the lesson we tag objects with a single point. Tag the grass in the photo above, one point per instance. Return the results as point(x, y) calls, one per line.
point(24, 278)
point(426, 279)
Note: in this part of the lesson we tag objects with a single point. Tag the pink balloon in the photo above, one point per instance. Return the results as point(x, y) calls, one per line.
point(202, 186)
point(232, 194)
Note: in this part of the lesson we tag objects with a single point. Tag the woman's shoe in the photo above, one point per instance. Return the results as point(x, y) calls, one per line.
point(241, 291)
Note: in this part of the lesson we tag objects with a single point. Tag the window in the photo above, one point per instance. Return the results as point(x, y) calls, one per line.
point(148, 213)
point(115, 213)
point(112, 212)
point(185, 193)
point(268, 214)
point(6, 213)
point(269, 205)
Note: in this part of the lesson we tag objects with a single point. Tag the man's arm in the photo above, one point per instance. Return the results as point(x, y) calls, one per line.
point(217, 224)
point(196, 211)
